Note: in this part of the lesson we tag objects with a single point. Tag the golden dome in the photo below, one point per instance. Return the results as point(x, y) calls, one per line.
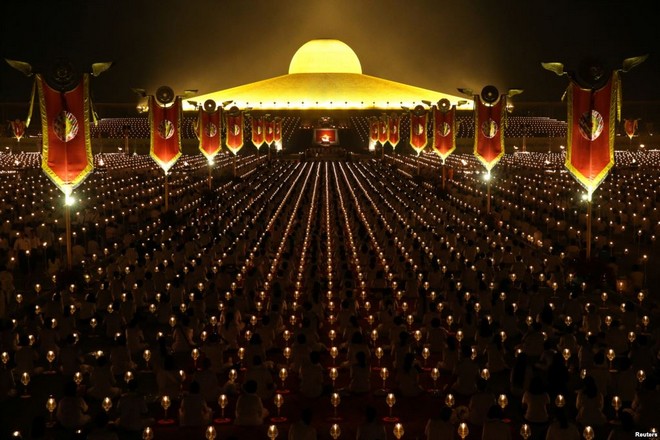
point(325, 56)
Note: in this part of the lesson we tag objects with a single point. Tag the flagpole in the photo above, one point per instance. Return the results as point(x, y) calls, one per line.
point(234, 164)
point(589, 228)
point(126, 142)
point(488, 199)
point(210, 176)
point(444, 174)
point(167, 194)
point(67, 222)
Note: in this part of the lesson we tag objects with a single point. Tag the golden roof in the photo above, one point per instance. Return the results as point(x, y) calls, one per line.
point(326, 74)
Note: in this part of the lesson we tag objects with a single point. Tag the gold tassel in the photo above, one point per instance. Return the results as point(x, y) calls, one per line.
point(505, 119)
point(29, 116)
point(617, 84)
point(95, 118)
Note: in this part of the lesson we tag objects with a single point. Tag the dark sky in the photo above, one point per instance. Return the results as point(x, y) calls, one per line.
point(215, 44)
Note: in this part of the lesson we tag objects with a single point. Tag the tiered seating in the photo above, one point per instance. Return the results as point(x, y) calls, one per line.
point(361, 126)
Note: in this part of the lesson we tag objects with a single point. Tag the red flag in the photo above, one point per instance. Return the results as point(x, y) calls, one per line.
point(208, 132)
point(444, 132)
point(269, 131)
point(630, 125)
point(257, 126)
point(591, 124)
point(373, 129)
point(234, 124)
point(67, 150)
point(383, 127)
point(394, 128)
point(165, 126)
point(418, 132)
point(277, 130)
point(17, 129)
point(489, 131)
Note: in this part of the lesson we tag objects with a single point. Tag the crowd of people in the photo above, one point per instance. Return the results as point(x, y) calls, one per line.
point(326, 299)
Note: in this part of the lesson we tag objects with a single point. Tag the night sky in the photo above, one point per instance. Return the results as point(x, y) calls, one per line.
point(441, 45)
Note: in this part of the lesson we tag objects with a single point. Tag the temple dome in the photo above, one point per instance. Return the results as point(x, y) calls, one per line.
point(325, 56)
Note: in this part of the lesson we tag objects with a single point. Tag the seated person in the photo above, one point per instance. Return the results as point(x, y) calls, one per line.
point(360, 375)
point(303, 429)
point(132, 408)
point(371, 429)
point(311, 376)
point(71, 408)
point(193, 410)
point(250, 410)
point(101, 429)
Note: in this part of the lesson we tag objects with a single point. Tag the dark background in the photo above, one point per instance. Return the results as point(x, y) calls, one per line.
point(441, 45)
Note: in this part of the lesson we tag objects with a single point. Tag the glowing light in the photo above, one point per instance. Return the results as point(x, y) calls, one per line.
point(315, 65)
point(325, 56)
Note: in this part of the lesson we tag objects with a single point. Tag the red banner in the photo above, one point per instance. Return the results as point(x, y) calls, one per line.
point(257, 126)
point(208, 132)
point(489, 131)
point(67, 149)
point(17, 129)
point(383, 127)
point(269, 131)
point(418, 132)
point(444, 132)
point(630, 125)
point(165, 126)
point(277, 130)
point(326, 136)
point(234, 124)
point(373, 129)
point(394, 129)
point(591, 126)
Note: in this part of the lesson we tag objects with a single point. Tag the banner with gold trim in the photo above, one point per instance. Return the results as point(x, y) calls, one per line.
point(489, 131)
point(444, 132)
point(418, 129)
point(394, 129)
point(383, 129)
point(269, 131)
point(373, 129)
point(257, 128)
point(208, 132)
point(17, 129)
point(630, 125)
point(591, 130)
point(277, 130)
point(66, 145)
point(165, 126)
point(234, 126)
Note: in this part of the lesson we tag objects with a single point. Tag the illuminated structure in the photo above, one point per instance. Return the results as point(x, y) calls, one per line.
point(326, 74)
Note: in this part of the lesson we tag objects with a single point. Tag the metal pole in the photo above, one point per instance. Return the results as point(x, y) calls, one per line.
point(67, 222)
point(444, 175)
point(488, 199)
point(234, 164)
point(589, 229)
point(167, 194)
point(210, 177)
